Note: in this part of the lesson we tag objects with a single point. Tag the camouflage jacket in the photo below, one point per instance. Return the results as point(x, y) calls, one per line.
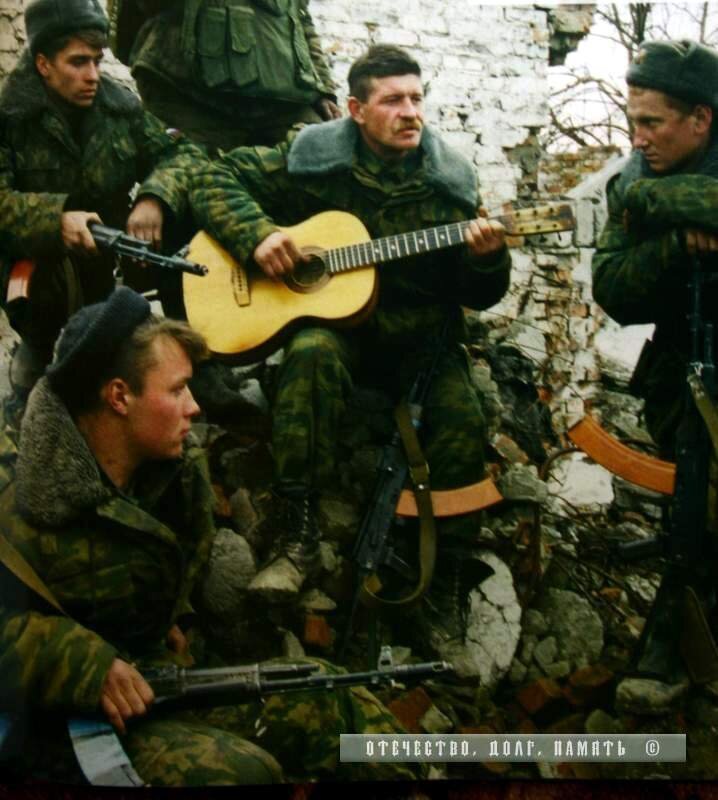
point(640, 270)
point(45, 171)
point(215, 49)
point(122, 567)
point(246, 195)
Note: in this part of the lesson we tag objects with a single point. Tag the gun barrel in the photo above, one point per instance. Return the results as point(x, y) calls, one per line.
point(644, 548)
point(139, 250)
point(254, 681)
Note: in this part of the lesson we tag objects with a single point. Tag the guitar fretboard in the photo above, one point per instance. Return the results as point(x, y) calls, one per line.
point(538, 219)
point(388, 248)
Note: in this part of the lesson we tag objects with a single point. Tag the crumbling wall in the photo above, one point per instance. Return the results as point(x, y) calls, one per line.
point(485, 69)
point(12, 33)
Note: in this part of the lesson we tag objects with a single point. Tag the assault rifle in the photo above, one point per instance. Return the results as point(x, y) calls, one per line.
point(178, 686)
point(122, 244)
point(21, 272)
point(99, 752)
point(677, 632)
point(375, 547)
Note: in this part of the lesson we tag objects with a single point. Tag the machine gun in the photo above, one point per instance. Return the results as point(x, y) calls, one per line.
point(375, 547)
point(181, 687)
point(677, 632)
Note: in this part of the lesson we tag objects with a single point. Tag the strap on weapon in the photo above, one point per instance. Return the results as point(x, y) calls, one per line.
point(97, 747)
point(419, 474)
point(697, 643)
point(706, 407)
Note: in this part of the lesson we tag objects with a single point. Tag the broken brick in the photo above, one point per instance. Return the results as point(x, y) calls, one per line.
point(410, 708)
point(538, 695)
point(317, 631)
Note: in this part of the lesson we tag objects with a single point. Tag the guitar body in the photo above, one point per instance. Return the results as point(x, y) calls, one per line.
point(245, 315)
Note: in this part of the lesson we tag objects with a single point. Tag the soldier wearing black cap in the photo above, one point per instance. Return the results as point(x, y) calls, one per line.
point(73, 143)
point(105, 535)
point(662, 207)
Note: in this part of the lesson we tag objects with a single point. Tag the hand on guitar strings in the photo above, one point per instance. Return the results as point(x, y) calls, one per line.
point(277, 255)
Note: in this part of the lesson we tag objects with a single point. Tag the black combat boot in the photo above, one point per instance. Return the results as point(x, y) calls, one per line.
point(297, 556)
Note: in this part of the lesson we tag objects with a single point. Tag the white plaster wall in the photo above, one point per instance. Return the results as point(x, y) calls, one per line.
point(485, 69)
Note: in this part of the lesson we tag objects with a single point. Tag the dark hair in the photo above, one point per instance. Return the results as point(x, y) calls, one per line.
point(379, 61)
point(90, 36)
point(133, 360)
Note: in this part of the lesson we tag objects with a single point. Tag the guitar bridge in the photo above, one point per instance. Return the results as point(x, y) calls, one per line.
point(240, 286)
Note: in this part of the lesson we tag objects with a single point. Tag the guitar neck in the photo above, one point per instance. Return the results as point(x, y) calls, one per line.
point(400, 245)
point(526, 221)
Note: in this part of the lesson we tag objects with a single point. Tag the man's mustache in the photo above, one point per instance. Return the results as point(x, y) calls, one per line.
point(410, 126)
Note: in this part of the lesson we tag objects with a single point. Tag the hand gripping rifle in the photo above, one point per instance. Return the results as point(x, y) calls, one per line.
point(677, 631)
point(122, 244)
point(180, 687)
point(401, 459)
point(114, 240)
point(100, 754)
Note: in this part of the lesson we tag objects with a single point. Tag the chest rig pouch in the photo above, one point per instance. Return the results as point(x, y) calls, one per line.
point(258, 46)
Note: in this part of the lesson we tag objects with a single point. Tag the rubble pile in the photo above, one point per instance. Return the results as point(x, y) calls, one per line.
point(549, 635)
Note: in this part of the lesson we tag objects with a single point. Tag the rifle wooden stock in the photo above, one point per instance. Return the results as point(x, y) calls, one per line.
point(639, 468)
point(18, 287)
point(450, 502)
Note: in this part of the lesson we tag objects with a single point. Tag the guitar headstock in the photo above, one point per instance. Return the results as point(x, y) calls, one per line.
point(549, 218)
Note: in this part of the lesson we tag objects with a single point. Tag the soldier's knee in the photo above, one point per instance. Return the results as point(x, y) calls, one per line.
point(178, 753)
point(314, 343)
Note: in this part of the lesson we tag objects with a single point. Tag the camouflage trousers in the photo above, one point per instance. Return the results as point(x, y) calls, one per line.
point(292, 737)
point(315, 381)
point(232, 744)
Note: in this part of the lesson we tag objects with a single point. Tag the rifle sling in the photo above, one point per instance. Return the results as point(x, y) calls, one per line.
point(21, 569)
point(97, 747)
point(706, 407)
point(697, 645)
point(419, 473)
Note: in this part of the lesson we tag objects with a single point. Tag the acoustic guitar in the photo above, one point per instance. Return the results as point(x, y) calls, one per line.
point(245, 316)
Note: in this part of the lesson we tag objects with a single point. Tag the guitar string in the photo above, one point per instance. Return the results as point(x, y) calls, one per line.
point(389, 248)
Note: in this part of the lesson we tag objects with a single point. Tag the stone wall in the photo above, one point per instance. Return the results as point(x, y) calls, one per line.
point(12, 33)
point(485, 69)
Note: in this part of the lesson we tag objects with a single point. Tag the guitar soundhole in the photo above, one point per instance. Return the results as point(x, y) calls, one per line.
point(308, 276)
